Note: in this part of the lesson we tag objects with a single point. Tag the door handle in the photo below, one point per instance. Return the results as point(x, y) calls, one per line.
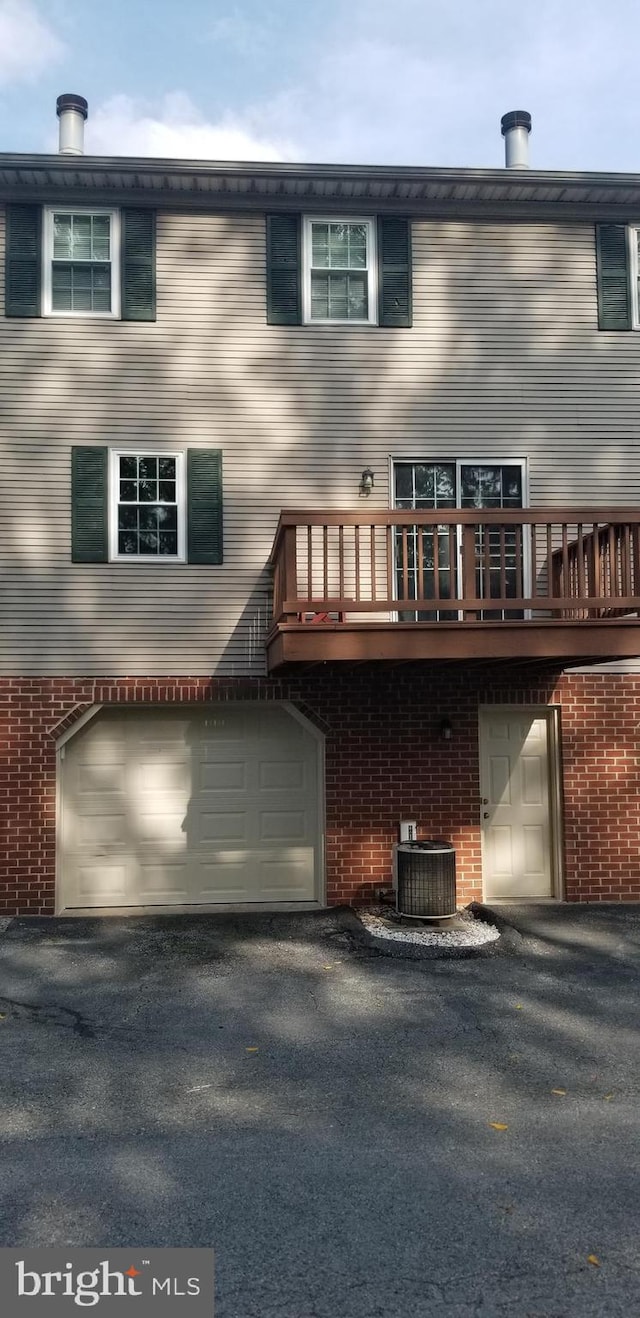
point(485, 814)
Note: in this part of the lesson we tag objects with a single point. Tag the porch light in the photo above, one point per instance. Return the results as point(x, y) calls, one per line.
point(366, 482)
point(445, 729)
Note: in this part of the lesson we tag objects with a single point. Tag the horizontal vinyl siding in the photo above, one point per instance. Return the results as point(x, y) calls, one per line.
point(504, 360)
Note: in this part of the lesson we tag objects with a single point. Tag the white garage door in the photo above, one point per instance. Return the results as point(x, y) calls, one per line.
point(192, 807)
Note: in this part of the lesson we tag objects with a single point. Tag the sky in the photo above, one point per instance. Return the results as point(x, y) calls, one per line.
point(405, 82)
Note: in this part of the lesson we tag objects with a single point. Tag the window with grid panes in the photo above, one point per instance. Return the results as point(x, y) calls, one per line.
point(428, 486)
point(340, 270)
point(81, 262)
point(148, 511)
point(429, 553)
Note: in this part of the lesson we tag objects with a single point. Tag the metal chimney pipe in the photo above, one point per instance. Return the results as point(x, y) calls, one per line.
point(516, 126)
point(72, 111)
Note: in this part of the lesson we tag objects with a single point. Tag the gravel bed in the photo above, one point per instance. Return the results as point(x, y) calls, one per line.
point(462, 931)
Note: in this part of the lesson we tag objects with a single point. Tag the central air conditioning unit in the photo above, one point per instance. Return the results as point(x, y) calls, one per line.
point(425, 880)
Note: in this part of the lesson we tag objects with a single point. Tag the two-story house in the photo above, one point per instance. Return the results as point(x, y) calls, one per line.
point(320, 510)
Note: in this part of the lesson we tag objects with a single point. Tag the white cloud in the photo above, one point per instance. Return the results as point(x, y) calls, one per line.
point(434, 91)
point(27, 44)
point(376, 103)
point(300, 83)
point(124, 126)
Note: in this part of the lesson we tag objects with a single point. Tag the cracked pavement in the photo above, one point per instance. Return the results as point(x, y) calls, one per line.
point(320, 1114)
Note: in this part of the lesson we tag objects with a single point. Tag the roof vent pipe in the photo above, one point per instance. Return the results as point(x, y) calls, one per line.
point(516, 126)
point(72, 111)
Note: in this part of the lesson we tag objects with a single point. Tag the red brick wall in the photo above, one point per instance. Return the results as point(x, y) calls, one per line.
point(385, 760)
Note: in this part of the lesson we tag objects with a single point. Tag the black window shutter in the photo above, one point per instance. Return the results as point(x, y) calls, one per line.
point(394, 271)
point(138, 264)
point(23, 261)
point(614, 285)
point(204, 506)
point(284, 262)
point(89, 494)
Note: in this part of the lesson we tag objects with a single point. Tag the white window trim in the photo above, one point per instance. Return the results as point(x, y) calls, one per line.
point(47, 261)
point(633, 234)
point(372, 267)
point(483, 461)
point(181, 503)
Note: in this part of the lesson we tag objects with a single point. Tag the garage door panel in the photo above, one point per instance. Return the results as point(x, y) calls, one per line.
point(99, 770)
point(101, 779)
point(160, 827)
point(214, 750)
point(286, 880)
point(173, 745)
point(162, 884)
point(229, 878)
point(100, 829)
point(94, 746)
point(227, 776)
point(267, 721)
point(156, 727)
point(282, 775)
point(283, 826)
point(151, 778)
point(102, 823)
point(101, 883)
point(242, 878)
point(219, 805)
point(214, 826)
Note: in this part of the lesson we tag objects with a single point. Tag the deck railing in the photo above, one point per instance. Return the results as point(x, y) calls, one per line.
point(602, 564)
point(457, 565)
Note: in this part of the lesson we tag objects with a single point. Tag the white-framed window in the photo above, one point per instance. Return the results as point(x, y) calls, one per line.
point(147, 506)
point(633, 240)
point(81, 262)
point(339, 263)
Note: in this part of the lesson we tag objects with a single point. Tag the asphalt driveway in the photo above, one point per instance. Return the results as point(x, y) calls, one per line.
point(321, 1114)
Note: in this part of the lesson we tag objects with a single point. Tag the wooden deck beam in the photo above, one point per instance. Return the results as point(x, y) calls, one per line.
point(351, 642)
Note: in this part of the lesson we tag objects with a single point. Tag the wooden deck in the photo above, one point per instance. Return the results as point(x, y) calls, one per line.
point(535, 583)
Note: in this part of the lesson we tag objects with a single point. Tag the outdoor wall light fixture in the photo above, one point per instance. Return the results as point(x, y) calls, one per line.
point(445, 729)
point(366, 482)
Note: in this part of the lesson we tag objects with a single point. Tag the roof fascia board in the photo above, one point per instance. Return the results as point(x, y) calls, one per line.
point(453, 208)
point(181, 185)
point(286, 171)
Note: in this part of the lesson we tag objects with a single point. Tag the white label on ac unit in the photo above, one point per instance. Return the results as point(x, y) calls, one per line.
point(408, 830)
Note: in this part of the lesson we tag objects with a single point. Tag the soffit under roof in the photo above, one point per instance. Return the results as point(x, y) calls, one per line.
point(278, 186)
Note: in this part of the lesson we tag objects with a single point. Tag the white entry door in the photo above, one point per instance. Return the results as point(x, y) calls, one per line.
point(515, 778)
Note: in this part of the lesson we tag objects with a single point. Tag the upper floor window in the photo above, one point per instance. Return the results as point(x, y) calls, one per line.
point(81, 262)
point(633, 240)
point(339, 270)
point(617, 267)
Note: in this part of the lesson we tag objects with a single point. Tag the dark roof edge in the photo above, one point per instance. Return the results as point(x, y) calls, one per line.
point(291, 170)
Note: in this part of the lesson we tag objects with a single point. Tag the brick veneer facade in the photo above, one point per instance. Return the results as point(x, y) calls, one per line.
point(385, 760)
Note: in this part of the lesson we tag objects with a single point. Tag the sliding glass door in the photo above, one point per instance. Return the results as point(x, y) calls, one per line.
point(427, 558)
